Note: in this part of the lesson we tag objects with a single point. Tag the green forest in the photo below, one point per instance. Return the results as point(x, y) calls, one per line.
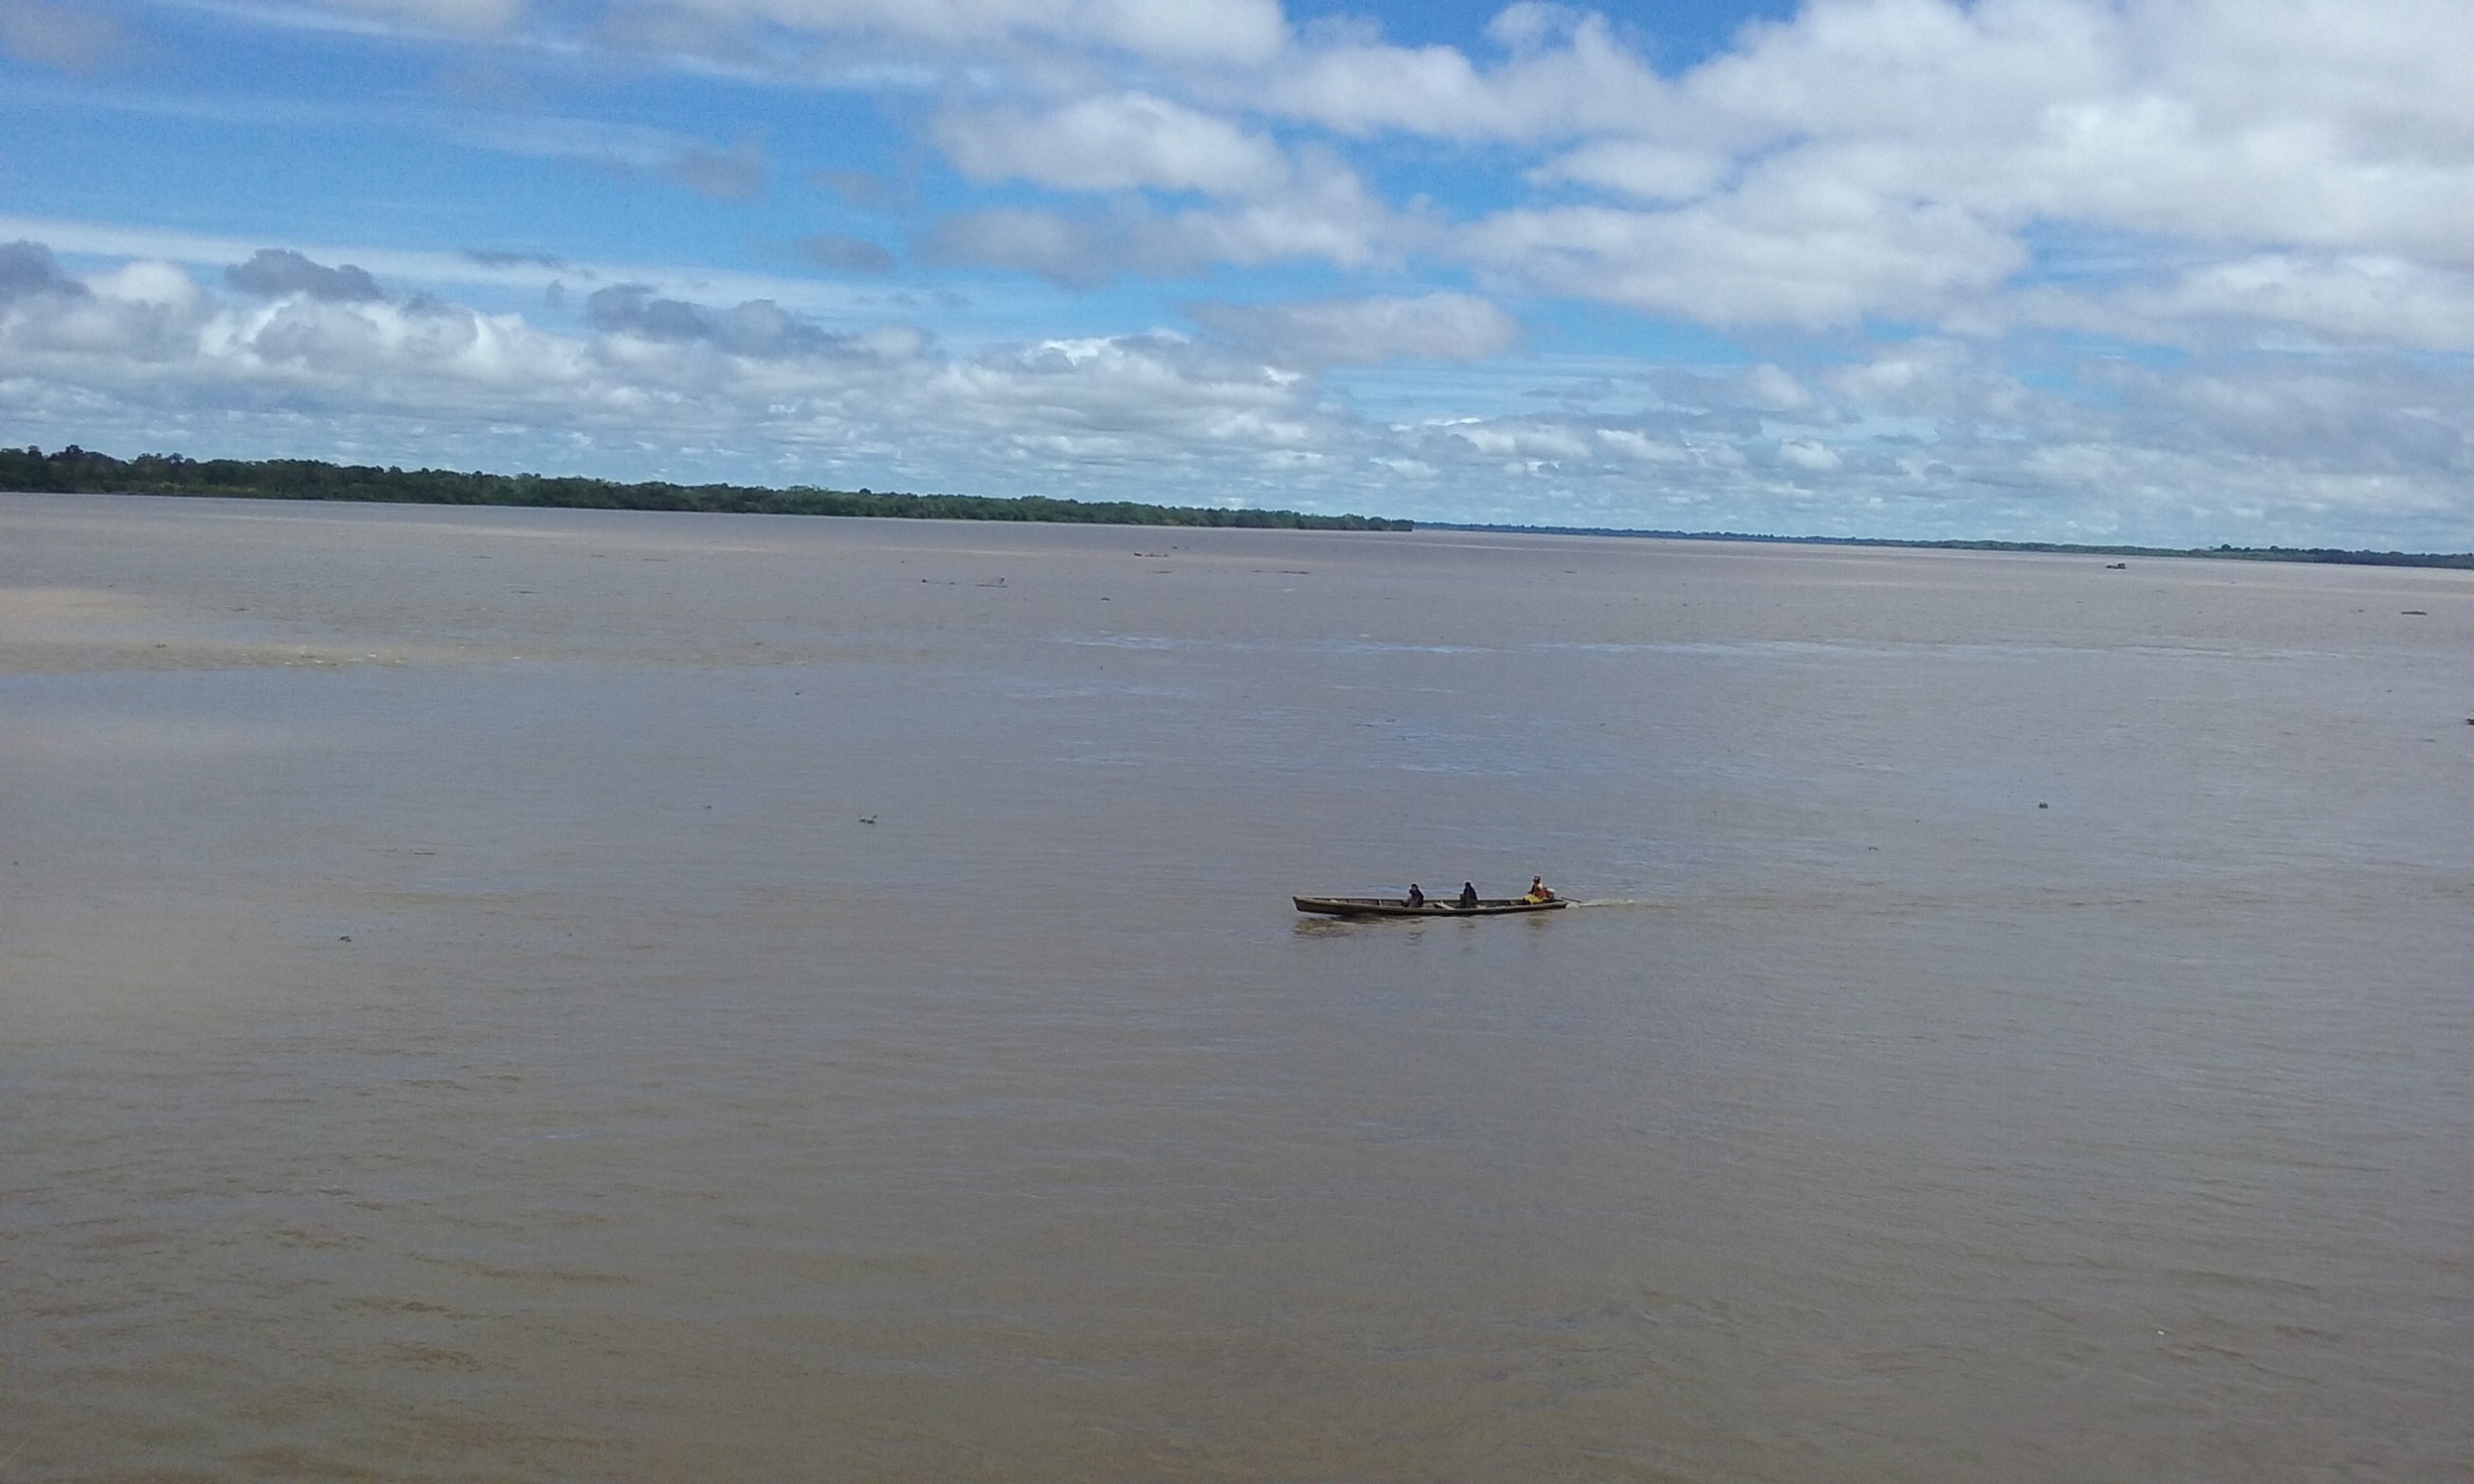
point(75, 470)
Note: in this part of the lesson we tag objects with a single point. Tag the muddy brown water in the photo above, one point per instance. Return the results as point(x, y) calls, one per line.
point(580, 995)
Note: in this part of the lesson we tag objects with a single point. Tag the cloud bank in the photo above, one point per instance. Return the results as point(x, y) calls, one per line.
point(2153, 269)
point(1926, 436)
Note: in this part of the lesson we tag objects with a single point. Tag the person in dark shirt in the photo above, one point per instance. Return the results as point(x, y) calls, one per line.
point(1468, 894)
point(1417, 898)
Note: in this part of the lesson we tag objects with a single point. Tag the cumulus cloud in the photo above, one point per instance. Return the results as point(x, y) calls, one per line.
point(1866, 158)
point(279, 272)
point(29, 268)
point(1114, 143)
point(2345, 298)
point(1530, 442)
point(1742, 399)
point(2292, 163)
point(1366, 331)
point(1325, 212)
point(1171, 30)
point(2283, 192)
point(1902, 158)
point(1589, 82)
point(153, 284)
point(1932, 437)
point(1811, 258)
point(140, 314)
point(1181, 31)
point(653, 369)
point(1647, 168)
point(1128, 401)
point(1769, 388)
point(1083, 250)
point(757, 327)
point(1807, 455)
point(2285, 122)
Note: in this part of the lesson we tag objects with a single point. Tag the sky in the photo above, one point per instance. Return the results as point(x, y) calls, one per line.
point(2155, 271)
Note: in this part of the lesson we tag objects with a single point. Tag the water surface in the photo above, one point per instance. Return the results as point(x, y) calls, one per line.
point(541, 995)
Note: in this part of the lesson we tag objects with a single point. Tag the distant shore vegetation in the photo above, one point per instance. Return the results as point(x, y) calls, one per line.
point(77, 471)
point(2315, 553)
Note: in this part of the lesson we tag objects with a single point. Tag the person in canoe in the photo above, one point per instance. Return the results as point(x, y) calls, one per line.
point(1416, 898)
point(1468, 894)
point(1538, 891)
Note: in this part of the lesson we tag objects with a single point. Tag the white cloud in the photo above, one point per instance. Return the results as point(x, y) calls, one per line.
point(415, 356)
point(153, 283)
point(1205, 31)
point(1366, 331)
point(1809, 456)
point(1324, 212)
point(1904, 157)
point(1590, 83)
point(2283, 191)
point(648, 371)
point(277, 272)
point(1867, 158)
point(1633, 443)
point(2352, 298)
point(1769, 387)
point(414, 267)
point(1646, 168)
point(1524, 441)
point(1931, 438)
point(1175, 30)
point(1804, 255)
point(1115, 142)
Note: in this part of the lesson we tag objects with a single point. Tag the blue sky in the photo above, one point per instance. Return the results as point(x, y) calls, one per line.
point(2172, 272)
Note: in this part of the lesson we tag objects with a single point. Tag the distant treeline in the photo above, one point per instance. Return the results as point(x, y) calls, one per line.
point(2320, 554)
point(75, 470)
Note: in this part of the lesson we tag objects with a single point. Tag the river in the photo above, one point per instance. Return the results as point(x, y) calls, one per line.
point(528, 995)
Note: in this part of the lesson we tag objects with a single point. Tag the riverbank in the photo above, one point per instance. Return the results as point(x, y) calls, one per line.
point(73, 470)
point(2326, 555)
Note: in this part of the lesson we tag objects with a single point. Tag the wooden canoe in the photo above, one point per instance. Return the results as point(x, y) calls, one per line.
point(1394, 907)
